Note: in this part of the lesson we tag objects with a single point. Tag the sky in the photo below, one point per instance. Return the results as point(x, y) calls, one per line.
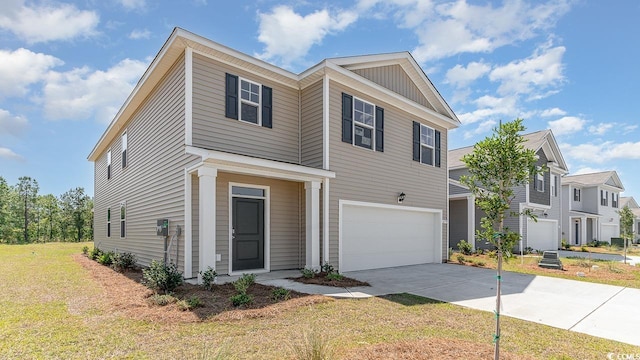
point(568, 65)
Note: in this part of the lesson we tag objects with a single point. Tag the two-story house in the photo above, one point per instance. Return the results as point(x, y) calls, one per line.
point(541, 196)
point(592, 204)
point(259, 169)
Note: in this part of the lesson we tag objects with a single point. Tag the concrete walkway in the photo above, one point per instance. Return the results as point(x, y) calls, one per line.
point(605, 311)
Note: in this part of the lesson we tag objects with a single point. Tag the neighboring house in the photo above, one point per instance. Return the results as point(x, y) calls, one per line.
point(592, 205)
point(263, 169)
point(541, 195)
point(635, 209)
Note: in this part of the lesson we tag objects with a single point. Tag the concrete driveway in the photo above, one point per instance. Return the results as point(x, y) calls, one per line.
point(605, 311)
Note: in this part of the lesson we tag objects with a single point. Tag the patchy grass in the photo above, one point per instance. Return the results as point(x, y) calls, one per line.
point(51, 306)
point(594, 270)
point(333, 279)
point(633, 249)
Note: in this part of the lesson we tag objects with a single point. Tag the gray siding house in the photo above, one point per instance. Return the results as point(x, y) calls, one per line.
point(259, 169)
point(541, 195)
point(592, 204)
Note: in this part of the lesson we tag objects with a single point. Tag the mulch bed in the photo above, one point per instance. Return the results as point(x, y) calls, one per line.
point(321, 279)
point(127, 296)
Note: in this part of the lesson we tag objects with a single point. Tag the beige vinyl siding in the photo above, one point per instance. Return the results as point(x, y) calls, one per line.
point(287, 237)
point(311, 126)
point(394, 78)
point(212, 130)
point(152, 184)
point(370, 176)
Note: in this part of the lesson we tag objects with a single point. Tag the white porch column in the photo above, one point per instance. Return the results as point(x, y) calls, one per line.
point(207, 216)
point(471, 221)
point(312, 216)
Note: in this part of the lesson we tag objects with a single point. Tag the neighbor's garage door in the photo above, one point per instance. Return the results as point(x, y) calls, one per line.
point(609, 231)
point(542, 235)
point(375, 236)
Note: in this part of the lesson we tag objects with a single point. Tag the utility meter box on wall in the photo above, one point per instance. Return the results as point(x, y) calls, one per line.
point(162, 227)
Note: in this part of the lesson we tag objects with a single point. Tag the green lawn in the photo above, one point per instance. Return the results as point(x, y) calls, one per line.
point(51, 308)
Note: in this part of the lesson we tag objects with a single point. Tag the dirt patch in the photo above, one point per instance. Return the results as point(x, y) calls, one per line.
point(127, 296)
point(322, 279)
point(427, 349)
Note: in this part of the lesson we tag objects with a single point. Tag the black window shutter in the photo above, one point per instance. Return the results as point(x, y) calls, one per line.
point(416, 141)
point(231, 103)
point(266, 106)
point(438, 148)
point(347, 118)
point(379, 129)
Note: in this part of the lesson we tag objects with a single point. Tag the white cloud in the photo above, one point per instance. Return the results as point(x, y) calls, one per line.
point(47, 21)
point(588, 170)
point(538, 72)
point(11, 124)
point(138, 34)
point(601, 128)
point(629, 128)
point(606, 151)
point(21, 68)
point(82, 93)
point(288, 36)
point(566, 125)
point(461, 76)
point(133, 4)
point(490, 107)
point(553, 112)
point(484, 127)
point(7, 153)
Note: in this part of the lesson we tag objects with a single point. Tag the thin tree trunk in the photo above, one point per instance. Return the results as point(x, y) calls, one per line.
point(26, 222)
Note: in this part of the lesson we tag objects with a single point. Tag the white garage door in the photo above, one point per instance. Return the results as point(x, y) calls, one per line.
point(542, 235)
point(609, 231)
point(375, 236)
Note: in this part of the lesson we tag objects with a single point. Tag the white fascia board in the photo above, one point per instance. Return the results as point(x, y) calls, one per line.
point(369, 87)
point(367, 61)
point(262, 167)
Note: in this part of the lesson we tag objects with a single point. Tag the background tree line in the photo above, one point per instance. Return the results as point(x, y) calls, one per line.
point(26, 216)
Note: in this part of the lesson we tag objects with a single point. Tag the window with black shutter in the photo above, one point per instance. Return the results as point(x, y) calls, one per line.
point(248, 101)
point(362, 123)
point(427, 145)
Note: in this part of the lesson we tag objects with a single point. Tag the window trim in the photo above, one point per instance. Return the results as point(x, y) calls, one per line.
point(554, 185)
point(109, 222)
point(576, 194)
point(614, 200)
point(124, 148)
point(540, 183)
point(241, 100)
point(432, 147)
point(123, 220)
point(361, 124)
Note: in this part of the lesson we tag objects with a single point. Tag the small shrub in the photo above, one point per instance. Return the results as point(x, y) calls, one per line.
point(106, 258)
point(465, 248)
point(95, 253)
point(584, 248)
point(480, 251)
point(209, 278)
point(308, 273)
point(481, 263)
point(492, 254)
point(313, 346)
point(335, 277)
point(241, 299)
point(243, 283)
point(280, 294)
point(327, 268)
point(565, 244)
point(528, 250)
point(161, 300)
point(460, 258)
point(190, 303)
point(123, 261)
point(85, 250)
point(162, 277)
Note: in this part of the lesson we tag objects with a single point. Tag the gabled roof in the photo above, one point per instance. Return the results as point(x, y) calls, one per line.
point(535, 141)
point(629, 200)
point(604, 178)
point(339, 69)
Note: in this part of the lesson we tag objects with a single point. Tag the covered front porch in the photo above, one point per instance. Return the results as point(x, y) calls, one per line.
point(583, 227)
point(251, 215)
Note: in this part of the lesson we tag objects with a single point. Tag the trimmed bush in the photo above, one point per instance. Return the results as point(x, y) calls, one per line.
point(162, 277)
point(243, 283)
point(241, 299)
point(465, 248)
point(106, 258)
point(280, 294)
point(95, 253)
point(123, 261)
point(208, 278)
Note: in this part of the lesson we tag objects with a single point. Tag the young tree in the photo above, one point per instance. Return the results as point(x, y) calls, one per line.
point(27, 189)
point(496, 166)
point(50, 216)
point(6, 222)
point(626, 223)
point(75, 204)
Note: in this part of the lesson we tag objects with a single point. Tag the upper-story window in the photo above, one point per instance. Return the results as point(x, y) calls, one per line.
point(614, 200)
point(124, 150)
point(109, 164)
point(576, 194)
point(604, 198)
point(539, 183)
point(248, 101)
point(426, 144)
point(554, 185)
point(362, 123)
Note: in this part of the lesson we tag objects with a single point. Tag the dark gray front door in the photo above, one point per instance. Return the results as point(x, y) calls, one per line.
point(248, 234)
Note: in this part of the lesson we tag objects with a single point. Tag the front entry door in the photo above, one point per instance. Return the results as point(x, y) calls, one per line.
point(247, 237)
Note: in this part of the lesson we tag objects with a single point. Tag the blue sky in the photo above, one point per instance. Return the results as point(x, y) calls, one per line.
point(572, 66)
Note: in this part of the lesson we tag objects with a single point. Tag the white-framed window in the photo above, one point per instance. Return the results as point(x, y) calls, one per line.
point(109, 164)
point(614, 200)
point(604, 198)
point(539, 179)
point(576, 194)
point(250, 97)
point(427, 144)
point(108, 222)
point(363, 123)
point(124, 150)
point(554, 185)
point(123, 219)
